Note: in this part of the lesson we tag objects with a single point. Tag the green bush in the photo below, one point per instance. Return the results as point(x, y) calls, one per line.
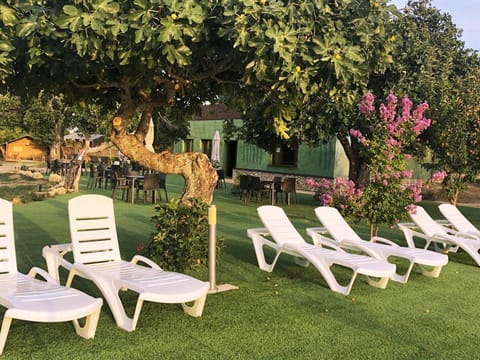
point(181, 238)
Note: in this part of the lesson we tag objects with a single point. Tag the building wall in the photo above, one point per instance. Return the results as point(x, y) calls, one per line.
point(325, 160)
point(25, 148)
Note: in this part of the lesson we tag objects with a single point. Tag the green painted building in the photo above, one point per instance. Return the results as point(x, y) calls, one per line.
point(236, 156)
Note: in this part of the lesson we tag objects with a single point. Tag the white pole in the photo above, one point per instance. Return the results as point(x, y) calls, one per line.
point(212, 253)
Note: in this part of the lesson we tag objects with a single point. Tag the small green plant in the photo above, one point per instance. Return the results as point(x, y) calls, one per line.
point(180, 241)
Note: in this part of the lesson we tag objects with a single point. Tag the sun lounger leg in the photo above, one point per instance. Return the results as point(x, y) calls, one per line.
point(196, 309)
point(111, 296)
point(4, 332)
point(434, 272)
point(403, 278)
point(88, 330)
point(262, 262)
point(378, 283)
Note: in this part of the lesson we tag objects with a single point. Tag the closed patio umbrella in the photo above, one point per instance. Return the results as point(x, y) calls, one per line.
point(215, 157)
point(149, 137)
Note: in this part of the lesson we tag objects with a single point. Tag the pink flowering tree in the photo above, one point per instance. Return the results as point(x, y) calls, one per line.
point(388, 191)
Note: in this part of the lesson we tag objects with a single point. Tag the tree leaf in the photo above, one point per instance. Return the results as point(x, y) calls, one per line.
point(71, 10)
point(26, 28)
point(6, 46)
point(8, 15)
point(109, 7)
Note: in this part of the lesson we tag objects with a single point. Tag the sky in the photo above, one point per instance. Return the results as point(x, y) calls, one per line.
point(465, 15)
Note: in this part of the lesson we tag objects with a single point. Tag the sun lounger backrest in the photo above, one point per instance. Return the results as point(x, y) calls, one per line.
point(92, 229)
point(8, 261)
point(425, 222)
point(278, 225)
point(457, 219)
point(335, 224)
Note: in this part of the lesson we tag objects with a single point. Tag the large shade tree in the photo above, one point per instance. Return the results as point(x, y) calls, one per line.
point(10, 118)
point(432, 63)
point(148, 55)
point(329, 105)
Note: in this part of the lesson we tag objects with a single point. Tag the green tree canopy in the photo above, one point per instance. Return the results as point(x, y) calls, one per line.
point(432, 63)
point(149, 54)
point(10, 117)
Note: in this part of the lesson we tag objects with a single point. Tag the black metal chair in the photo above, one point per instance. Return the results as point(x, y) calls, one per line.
point(221, 179)
point(244, 180)
point(255, 188)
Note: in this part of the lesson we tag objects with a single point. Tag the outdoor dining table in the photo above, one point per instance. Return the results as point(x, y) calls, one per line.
point(133, 179)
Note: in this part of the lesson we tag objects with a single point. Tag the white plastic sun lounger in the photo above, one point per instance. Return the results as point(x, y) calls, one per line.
point(97, 258)
point(444, 239)
point(286, 239)
point(29, 298)
point(458, 220)
point(344, 236)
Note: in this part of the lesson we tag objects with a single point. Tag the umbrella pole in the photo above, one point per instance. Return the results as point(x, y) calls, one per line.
point(212, 254)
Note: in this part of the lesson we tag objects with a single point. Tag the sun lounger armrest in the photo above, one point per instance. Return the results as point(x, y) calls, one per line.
point(142, 259)
point(54, 257)
point(259, 234)
point(378, 239)
point(442, 237)
point(409, 233)
point(319, 239)
point(467, 235)
point(34, 271)
point(259, 240)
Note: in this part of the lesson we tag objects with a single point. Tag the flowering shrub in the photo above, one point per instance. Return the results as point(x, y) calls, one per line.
point(389, 190)
point(338, 192)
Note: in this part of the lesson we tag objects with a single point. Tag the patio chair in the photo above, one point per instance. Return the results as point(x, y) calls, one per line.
point(221, 179)
point(29, 298)
point(162, 185)
point(442, 238)
point(289, 189)
point(344, 236)
point(244, 181)
point(458, 220)
point(96, 256)
point(151, 183)
point(286, 239)
point(120, 183)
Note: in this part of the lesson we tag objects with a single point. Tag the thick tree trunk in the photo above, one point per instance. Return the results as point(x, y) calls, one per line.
point(357, 170)
point(72, 176)
point(199, 174)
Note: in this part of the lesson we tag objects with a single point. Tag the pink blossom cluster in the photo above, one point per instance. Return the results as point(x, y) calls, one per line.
point(366, 106)
point(415, 190)
point(358, 134)
point(389, 111)
point(339, 191)
point(438, 176)
point(421, 122)
point(411, 208)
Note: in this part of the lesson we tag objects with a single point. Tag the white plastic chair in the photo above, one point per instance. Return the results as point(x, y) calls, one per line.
point(344, 236)
point(97, 258)
point(458, 220)
point(29, 298)
point(286, 239)
point(443, 239)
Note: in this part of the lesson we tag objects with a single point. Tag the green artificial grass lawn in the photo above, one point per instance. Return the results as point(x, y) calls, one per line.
point(287, 314)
